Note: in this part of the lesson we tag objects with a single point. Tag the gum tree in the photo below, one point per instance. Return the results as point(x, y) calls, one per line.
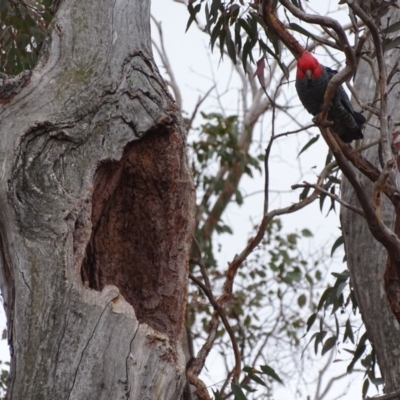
point(97, 207)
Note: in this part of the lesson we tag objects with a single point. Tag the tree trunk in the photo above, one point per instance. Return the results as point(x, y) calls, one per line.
point(366, 258)
point(96, 214)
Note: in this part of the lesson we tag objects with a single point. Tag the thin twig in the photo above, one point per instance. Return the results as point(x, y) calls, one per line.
point(221, 312)
point(167, 65)
point(331, 195)
point(364, 106)
point(380, 184)
point(266, 163)
point(197, 106)
point(198, 363)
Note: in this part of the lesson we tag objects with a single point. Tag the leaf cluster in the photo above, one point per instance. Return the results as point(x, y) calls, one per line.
point(238, 29)
point(23, 27)
point(273, 293)
point(336, 299)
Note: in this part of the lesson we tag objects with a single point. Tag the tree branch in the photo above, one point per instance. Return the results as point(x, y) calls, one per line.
point(276, 26)
point(167, 65)
point(331, 195)
point(202, 392)
point(390, 396)
point(222, 314)
point(380, 185)
point(199, 361)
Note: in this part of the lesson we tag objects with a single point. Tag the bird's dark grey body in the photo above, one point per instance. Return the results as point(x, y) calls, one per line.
point(346, 122)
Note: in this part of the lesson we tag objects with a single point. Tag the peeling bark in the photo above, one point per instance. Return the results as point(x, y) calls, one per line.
point(96, 214)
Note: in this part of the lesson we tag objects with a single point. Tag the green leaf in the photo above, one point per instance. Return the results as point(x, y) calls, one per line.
point(234, 12)
point(301, 30)
point(238, 197)
point(301, 301)
point(246, 27)
point(329, 344)
point(193, 12)
point(221, 228)
point(238, 38)
point(215, 6)
point(271, 373)
point(252, 375)
point(217, 395)
point(222, 38)
point(309, 144)
point(365, 388)
point(306, 233)
point(3, 9)
point(293, 276)
point(247, 48)
point(275, 43)
point(265, 48)
point(231, 49)
point(324, 298)
point(311, 320)
point(391, 43)
point(282, 66)
point(339, 241)
point(358, 352)
point(252, 21)
point(304, 193)
point(29, 21)
point(319, 337)
point(392, 28)
point(366, 362)
point(238, 392)
point(216, 32)
point(341, 276)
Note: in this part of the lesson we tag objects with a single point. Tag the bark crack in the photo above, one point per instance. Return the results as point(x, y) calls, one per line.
point(24, 280)
point(86, 346)
point(127, 383)
point(68, 296)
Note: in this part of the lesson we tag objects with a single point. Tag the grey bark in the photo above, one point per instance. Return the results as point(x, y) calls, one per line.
point(96, 214)
point(366, 258)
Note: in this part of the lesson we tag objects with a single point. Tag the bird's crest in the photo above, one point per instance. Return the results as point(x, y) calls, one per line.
point(308, 62)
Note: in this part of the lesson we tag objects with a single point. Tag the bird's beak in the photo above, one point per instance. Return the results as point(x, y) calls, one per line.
point(309, 73)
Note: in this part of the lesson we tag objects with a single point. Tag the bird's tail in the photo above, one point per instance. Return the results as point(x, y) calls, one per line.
point(349, 136)
point(359, 118)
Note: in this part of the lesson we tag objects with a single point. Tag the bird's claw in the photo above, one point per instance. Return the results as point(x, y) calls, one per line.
point(322, 122)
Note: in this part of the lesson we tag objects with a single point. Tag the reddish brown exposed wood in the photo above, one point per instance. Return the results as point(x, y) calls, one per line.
point(139, 216)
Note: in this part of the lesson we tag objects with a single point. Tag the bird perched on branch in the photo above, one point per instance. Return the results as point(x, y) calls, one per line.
point(312, 79)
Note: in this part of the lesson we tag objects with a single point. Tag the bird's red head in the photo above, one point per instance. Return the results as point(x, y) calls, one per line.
point(307, 62)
